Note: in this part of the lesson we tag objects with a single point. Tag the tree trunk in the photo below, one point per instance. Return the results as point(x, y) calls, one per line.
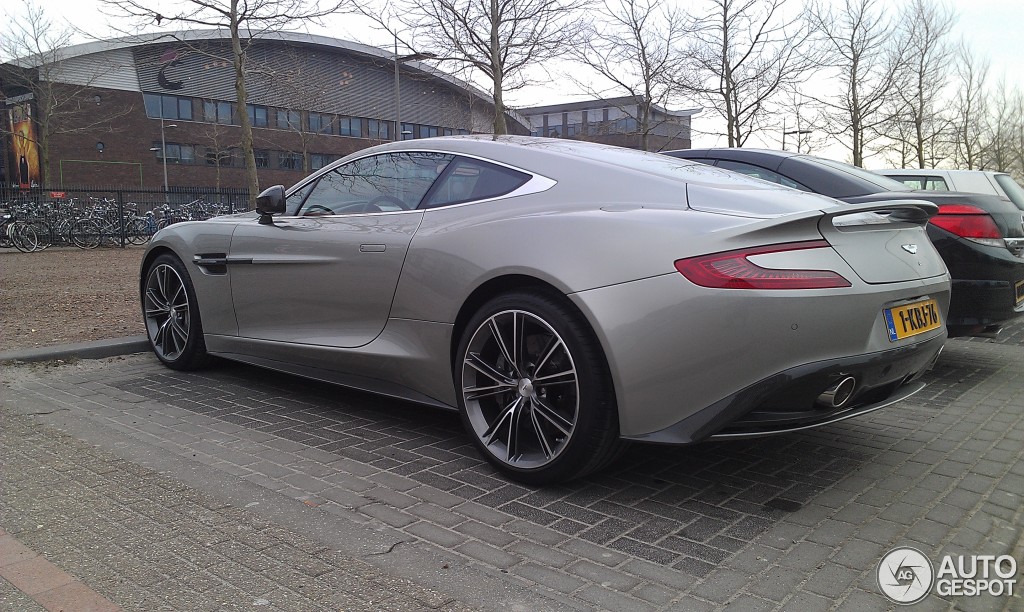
point(243, 113)
point(500, 127)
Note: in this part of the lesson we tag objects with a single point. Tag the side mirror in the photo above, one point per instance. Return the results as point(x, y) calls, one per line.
point(270, 202)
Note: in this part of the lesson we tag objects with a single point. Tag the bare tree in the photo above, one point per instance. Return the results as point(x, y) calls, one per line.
point(1017, 127)
point(809, 129)
point(245, 22)
point(925, 26)
point(222, 139)
point(969, 107)
point(635, 50)
point(498, 39)
point(1001, 127)
point(295, 85)
point(35, 50)
point(743, 54)
point(867, 57)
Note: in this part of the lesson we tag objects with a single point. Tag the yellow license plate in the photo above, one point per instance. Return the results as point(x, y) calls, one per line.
point(1019, 290)
point(912, 319)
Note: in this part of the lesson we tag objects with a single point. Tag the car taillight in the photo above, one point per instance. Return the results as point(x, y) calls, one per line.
point(968, 222)
point(732, 270)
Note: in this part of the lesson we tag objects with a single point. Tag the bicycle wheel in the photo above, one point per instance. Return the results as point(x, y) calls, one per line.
point(44, 235)
point(136, 231)
point(5, 236)
point(86, 234)
point(24, 236)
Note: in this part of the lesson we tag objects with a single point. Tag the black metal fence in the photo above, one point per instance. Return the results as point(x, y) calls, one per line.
point(90, 217)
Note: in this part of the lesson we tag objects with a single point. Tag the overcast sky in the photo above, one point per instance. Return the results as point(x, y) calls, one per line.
point(993, 28)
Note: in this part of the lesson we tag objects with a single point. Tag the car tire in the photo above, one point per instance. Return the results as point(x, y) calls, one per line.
point(542, 408)
point(171, 315)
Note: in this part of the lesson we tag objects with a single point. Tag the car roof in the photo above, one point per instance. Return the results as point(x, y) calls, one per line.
point(820, 175)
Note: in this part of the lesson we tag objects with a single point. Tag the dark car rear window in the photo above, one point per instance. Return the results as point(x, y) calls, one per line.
point(883, 183)
point(1012, 189)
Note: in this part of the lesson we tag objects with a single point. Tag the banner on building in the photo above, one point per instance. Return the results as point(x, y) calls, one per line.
point(23, 171)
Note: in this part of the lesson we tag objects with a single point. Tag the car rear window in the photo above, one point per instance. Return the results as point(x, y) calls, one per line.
point(1012, 189)
point(882, 182)
point(470, 179)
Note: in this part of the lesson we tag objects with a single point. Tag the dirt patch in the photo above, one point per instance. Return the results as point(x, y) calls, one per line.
point(66, 295)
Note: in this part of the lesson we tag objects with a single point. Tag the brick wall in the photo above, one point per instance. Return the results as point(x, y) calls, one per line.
point(127, 136)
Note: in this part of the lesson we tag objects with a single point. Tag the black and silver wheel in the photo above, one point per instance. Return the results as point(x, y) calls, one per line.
point(172, 315)
point(24, 236)
point(534, 390)
point(86, 234)
point(135, 231)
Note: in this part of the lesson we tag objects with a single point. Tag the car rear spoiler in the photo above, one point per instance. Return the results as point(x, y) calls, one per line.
point(916, 212)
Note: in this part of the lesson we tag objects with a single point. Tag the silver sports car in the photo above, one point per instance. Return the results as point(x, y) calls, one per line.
point(564, 297)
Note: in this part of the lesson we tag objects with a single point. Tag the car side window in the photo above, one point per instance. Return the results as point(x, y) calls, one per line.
point(914, 182)
point(295, 200)
point(935, 183)
point(379, 183)
point(759, 172)
point(473, 179)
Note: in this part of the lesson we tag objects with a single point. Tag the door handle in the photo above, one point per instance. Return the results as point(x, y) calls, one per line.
point(372, 248)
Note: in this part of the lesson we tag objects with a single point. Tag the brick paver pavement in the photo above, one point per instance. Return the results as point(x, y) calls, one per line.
point(796, 522)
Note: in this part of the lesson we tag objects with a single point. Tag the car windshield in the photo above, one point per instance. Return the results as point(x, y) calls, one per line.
point(1012, 189)
point(882, 182)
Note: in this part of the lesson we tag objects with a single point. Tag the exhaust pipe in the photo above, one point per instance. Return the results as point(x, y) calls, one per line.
point(839, 393)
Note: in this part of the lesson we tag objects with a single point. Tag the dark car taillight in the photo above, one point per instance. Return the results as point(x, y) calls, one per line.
point(969, 222)
point(732, 270)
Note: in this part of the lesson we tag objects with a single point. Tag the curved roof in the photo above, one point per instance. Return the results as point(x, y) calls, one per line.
point(312, 40)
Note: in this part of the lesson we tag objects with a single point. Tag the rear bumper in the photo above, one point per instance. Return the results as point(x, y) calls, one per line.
point(980, 304)
point(987, 284)
point(786, 401)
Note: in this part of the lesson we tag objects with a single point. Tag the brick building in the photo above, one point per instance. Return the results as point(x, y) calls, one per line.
point(123, 107)
point(616, 121)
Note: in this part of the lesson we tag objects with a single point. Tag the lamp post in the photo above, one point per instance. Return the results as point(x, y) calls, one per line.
point(400, 59)
point(163, 150)
point(797, 132)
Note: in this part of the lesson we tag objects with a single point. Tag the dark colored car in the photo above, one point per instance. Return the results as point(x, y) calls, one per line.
point(980, 237)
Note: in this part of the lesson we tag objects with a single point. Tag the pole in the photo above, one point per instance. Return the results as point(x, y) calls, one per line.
point(163, 154)
point(398, 98)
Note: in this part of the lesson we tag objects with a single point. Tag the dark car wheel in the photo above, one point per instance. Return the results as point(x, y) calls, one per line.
point(172, 315)
point(534, 390)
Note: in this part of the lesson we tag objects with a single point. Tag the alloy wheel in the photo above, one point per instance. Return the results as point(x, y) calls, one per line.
point(520, 389)
point(167, 311)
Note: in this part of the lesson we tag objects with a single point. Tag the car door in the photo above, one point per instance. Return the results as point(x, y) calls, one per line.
point(325, 273)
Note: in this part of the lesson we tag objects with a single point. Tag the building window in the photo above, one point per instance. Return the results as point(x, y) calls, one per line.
point(320, 123)
point(350, 126)
point(625, 125)
point(262, 158)
point(217, 112)
point(319, 160)
point(175, 153)
point(289, 120)
point(429, 131)
point(222, 157)
point(167, 107)
point(289, 161)
point(378, 129)
point(408, 131)
point(257, 115)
